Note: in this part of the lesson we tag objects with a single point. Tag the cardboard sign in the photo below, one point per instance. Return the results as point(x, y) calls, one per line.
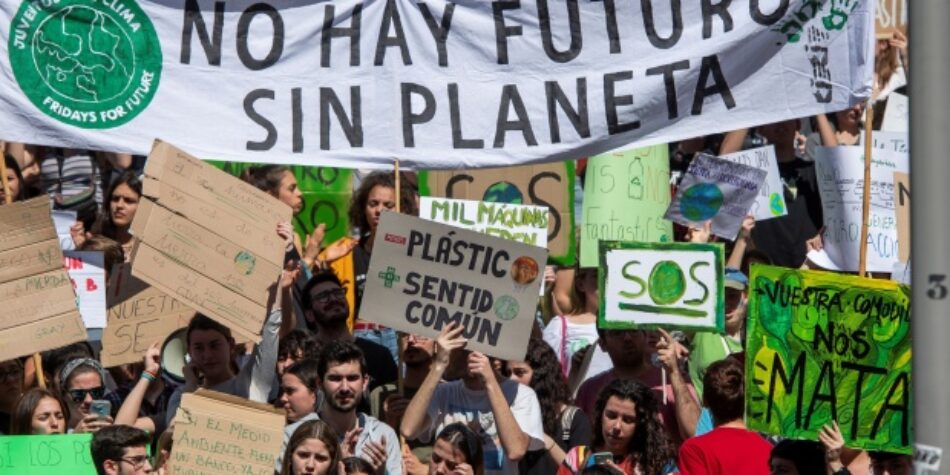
point(896, 114)
point(216, 433)
point(521, 223)
point(891, 15)
point(424, 275)
point(665, 285)
point(550, 185)
point(63, 220)
point(626, 193)
point(840, 173)
point(88, 275)
point(326, 197)
point(902, 213)
point(56, 454)
point(770, 202)
point(824, 346)
point(208, 239)
point(39, 306)
point(138, 316)
point(717, 190)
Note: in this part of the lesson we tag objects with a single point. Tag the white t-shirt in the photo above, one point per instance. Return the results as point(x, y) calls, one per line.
point(579, 335)
point(453, 402)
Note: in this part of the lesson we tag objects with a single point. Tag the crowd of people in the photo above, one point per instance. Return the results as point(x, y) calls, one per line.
point(360, 398)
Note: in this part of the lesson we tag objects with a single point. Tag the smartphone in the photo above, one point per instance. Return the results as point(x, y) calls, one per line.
point(599, 458)
point(101, 408)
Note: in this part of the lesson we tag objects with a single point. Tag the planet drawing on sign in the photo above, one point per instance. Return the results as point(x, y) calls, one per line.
point(667, 283)
point(503, 192)
point(244, 262)
point(776, 205)
point(701, 202)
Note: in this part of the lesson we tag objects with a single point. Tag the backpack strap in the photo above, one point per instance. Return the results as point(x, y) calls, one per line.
point(567, 419)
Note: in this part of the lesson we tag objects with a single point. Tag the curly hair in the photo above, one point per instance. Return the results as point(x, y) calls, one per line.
point(649, 446)
point(357, 211)
point(548, 383)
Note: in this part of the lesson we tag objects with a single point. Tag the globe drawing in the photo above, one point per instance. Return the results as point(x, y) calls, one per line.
point(503, 192)
point(83, 54)
point(701, 202)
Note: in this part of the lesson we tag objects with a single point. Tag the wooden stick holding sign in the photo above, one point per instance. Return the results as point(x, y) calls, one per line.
point(8, 198)
point(866, 197)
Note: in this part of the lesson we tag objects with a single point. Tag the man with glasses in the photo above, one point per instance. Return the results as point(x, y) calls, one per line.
point(326, 311)
point(120, 450)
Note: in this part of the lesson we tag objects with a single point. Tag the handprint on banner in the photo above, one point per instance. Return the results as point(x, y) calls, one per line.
point(837, 17)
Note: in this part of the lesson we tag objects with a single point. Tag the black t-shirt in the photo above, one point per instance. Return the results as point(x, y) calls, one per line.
point(360, 268)
point(379, 363)
point(783, 239)
point(539, 462)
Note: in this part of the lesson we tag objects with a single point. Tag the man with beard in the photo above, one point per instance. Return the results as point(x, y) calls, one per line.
point(630, 352)
point(506, 415)
point(326, 311)
point(343, 379)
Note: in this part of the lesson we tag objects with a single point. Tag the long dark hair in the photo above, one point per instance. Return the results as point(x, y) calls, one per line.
point(104, 225)
point(466, 442)
point(357, 211)
point(549, 384)
point(315, 429)
point(649, 445)
point(266, 177)
point(12, 164)
point(22, 421)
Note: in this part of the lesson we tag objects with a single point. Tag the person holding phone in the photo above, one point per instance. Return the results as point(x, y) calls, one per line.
point(83, 387)
point(628, 436)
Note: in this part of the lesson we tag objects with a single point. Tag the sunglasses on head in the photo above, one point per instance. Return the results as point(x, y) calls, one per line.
point(79, 395)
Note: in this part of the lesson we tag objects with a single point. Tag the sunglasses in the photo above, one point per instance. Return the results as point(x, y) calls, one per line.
point(79, 395)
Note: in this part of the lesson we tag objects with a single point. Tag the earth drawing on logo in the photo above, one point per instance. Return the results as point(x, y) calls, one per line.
point(88, 64)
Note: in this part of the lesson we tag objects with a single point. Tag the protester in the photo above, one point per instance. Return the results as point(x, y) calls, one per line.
point(565, 426)
point(83, 381)
point(11, 387)
point(120, 450)
point(797, 457)
point(569, 333)
point(122, 201)
point(18, 189)
point(145, 405)
point(730, 449)
point(457, 451)
point(506, 414)
point(343, 380)
point(72, 178)
point(706, 348)
point(39, 411)
point(887, 463)
point(293, 347)
point(356, 466)
point(627, 432)
point(299, 388)
point(326, 311)
point(312, 449)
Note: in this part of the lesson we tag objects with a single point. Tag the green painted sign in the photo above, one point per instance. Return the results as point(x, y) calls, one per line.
point(626, 194)
point(326, 197)
point(46, 455)
point(824, 346)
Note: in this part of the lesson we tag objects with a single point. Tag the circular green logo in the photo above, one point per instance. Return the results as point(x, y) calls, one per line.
point(95, 65)
point(506, 307)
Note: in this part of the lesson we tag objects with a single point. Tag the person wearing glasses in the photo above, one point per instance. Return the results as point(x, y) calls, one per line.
point(83, 381)
point(11, 386)
point(120, 450)
point(326, 311)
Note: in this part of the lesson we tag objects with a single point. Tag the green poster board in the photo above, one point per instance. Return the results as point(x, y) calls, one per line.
point(626, 194)
point(326, 197)
point(823, 346)
point(46, 455)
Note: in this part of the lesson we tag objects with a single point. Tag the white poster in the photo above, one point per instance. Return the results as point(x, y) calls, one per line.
point(436, 84)
point(840, 172)
point(87, 272)
point(771, 200)
point(896, 114)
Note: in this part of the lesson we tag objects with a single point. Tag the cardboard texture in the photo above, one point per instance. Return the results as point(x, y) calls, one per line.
point(626, 193)
point(489, 285)
point(890, 15)
point(661, 285)
point(550, 185)
point(56, 454)
point(138, 316)
point(825, 346)
point(36, 293)
point(220, 434)
point(902, 212)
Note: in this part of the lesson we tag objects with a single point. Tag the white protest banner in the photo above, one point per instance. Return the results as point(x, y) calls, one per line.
point(425, 275)
point(771, 200)
point(891, 141)
point(902, 214)
point(717, 190)
point(667, 285)
point(522, 223)
point(441, 85)
point(63, 220)
point(840, 172)
point(88, 275)
point(896, 114)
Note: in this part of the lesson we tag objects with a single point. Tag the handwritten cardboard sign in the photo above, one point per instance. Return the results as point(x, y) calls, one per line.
point(840, 173)
point(523, 223)
point(424, 275)
point(825, 347)
point(39, 306)
point(891, 15)
point(88, 275)
point(56, 454)
point(902, 213)
point(717, 190)
point(626, 193)
point(666, 285)
point(208, 239)
point(770, 202)
point(138, 316)
point(550, 184)
point(216, 433)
